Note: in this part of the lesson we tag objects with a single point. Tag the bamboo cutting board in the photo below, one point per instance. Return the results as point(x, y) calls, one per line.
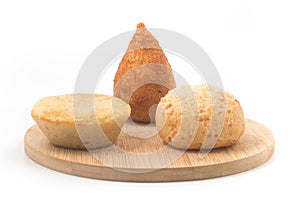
point(254, 148)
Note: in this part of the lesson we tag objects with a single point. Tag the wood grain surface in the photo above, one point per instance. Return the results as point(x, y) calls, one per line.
point(139, 155)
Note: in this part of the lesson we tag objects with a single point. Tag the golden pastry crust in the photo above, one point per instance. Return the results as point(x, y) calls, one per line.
point(185, 118)
point(61, 117)
point(144, 75)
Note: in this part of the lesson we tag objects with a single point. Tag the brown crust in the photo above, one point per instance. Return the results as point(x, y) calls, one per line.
point(145, 53)
point(140, 25)
point(138, 58)
point(146, 100)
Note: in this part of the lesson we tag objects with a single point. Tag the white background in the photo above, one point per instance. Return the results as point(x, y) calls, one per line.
point(254, 44)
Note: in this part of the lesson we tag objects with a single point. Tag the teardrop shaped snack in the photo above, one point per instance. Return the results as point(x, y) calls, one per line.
point(144, 75)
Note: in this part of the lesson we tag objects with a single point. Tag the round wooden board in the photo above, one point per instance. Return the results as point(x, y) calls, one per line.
point(254, 148)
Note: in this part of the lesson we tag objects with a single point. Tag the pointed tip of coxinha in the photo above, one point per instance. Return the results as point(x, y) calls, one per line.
point(143, 39)
point(142, 49)
point(140, 25)
point(143, 60)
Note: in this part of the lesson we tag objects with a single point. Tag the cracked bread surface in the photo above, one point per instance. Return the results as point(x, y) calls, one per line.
point(200, 116)
point(97, 117)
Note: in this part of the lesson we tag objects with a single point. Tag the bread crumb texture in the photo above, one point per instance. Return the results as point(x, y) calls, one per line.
point(200, 116)
point(98, 118)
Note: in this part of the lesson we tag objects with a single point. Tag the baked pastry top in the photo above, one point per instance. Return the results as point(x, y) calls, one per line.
point(200, 116)
point(98, 118)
